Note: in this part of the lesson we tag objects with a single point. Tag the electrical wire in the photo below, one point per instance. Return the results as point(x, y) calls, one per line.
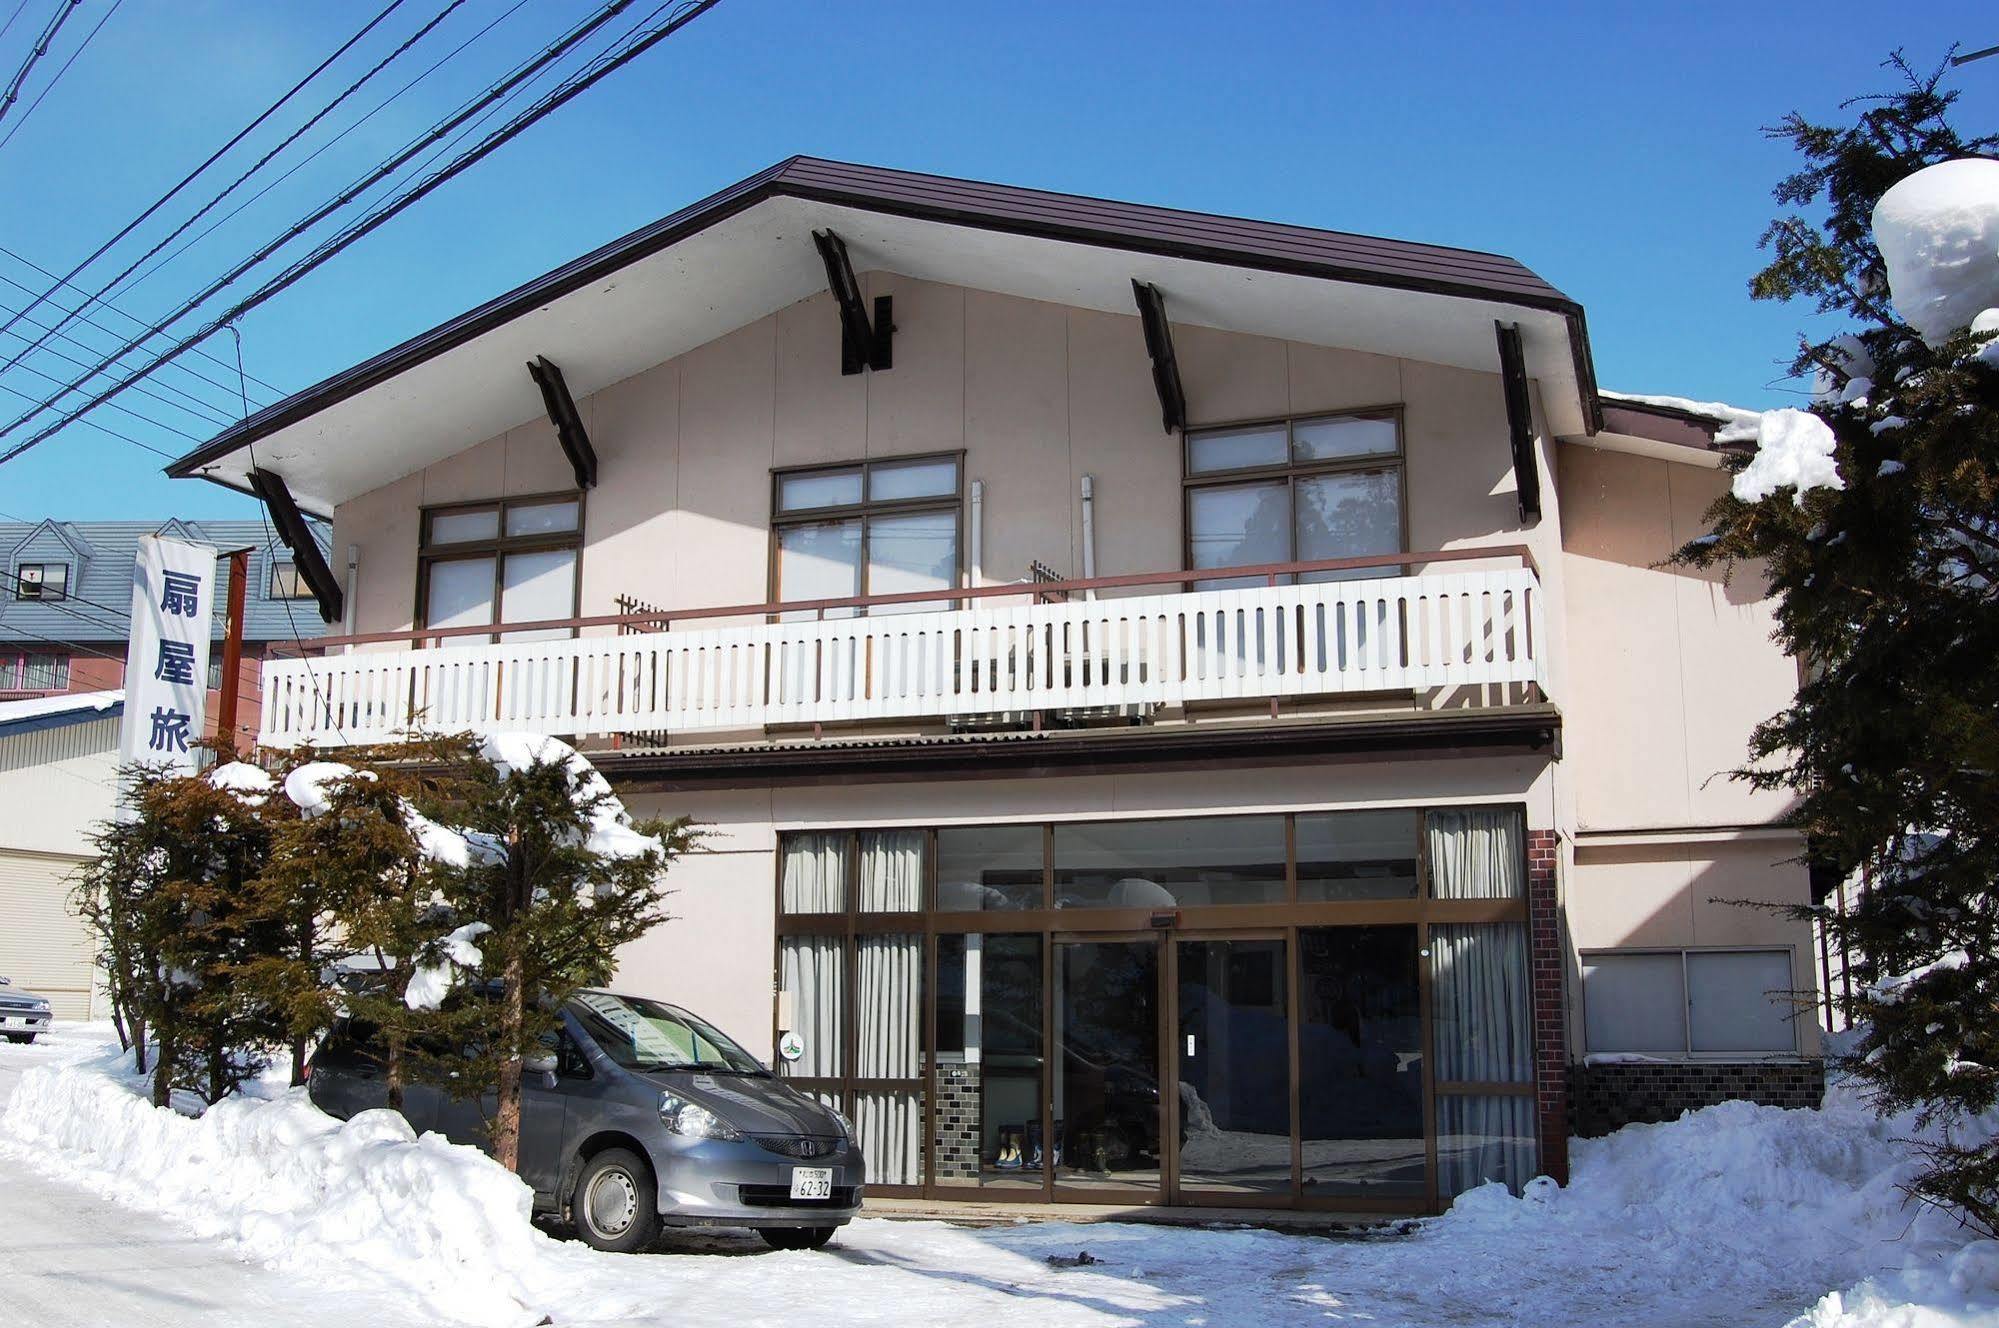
point(50, 86)
point(552, 53)
point(101, 428)
point(310, 157)
point(35, 53)
point(212, 358)
point(686, 12)
point(6, 27)
point(193, 405)
point(255, 166)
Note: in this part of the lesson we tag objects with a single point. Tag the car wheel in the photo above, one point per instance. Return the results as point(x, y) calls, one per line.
point(20, 1037)
point(796, 1238)
point(616, 1202)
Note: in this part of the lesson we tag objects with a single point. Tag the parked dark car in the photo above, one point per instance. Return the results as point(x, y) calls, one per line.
point(640, 1115)
point(24, 1016)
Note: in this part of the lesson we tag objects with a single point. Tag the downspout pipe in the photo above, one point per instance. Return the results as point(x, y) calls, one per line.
point(978, 533)
point(1089, 532)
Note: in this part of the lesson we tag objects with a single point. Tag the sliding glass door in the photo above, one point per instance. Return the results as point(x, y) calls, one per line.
point(1233, 1045)
point(1106, 1089)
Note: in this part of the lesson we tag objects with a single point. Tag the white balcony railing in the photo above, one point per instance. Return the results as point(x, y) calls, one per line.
point(1000, 655)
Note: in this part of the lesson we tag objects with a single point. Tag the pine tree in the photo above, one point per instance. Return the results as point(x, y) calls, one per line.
point(559, 879)
point(1888, 595)
point(172, 899)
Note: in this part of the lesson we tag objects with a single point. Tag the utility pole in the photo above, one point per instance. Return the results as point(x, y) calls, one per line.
point(232, 655)
point(1969, 56)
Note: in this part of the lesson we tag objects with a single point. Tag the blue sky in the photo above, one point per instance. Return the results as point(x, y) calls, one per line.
point(1613, 148)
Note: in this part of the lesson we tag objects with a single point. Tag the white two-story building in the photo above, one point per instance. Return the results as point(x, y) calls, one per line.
point(1187, 710)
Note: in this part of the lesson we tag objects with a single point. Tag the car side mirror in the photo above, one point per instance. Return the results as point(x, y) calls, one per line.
point(539, 1064)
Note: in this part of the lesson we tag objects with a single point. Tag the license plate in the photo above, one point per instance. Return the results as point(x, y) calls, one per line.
point(812, 1182)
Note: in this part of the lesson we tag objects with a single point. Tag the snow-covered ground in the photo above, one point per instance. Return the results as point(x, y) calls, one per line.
point(266, 1211)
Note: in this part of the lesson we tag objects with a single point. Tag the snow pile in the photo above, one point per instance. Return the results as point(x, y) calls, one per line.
point(1783, 1195)
point(1938, 232)
point(250, 783)
point(1720, 411)
point(431, 983)
point(310, 786)
point(611, 832)
point(358, 1202)
point(1794, 449)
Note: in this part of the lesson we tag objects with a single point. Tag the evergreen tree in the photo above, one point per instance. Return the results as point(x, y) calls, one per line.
point(1887, 596)
point(172, 900)
point(558, 879)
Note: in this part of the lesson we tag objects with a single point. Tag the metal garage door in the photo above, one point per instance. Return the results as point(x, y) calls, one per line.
point(42, 945)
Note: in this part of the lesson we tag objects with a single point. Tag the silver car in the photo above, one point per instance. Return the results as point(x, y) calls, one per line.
point(639, 1116)
point(24, 1016)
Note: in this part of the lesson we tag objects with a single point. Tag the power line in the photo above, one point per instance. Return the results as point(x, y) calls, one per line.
point(8, 25)
point(310, 157)
point(193, 405)
point(101, 428)
point(50, 86)
point(30, 263)
point(40, 49)
point(213, 157)
point(686, 12)
point(112, 405)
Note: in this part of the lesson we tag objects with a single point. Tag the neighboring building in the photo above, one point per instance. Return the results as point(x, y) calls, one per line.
point(66, 599)
point(58, 780)
point(1312, 884)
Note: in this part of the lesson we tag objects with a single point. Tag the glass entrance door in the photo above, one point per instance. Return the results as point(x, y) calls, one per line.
point(1233, 1049)
point(1104, 1085)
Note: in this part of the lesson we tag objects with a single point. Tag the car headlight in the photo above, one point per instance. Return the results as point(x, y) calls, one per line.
point(846, 1126)
point(40, 1004)
point(693, 1120)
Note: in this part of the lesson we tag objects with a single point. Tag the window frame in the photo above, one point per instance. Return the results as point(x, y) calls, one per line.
point(865, 511)
point(1291, 470)
point(300, 589)
point(498, 548)
point(1584, 957)
point(15, 662)
point(1050, 923)
point(40, 596)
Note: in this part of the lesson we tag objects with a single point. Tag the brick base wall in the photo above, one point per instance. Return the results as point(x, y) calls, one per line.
point(958, 1131)
point(1604, 1098)
point(1545, 958)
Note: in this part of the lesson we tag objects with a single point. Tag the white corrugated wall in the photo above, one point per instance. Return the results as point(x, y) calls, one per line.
point(56, 784)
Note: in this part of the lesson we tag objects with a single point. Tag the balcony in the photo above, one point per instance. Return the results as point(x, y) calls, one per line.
point(1135, 647)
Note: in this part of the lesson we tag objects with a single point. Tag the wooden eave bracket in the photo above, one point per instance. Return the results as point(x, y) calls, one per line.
point(296, 536)
point(1159, 345)
point(864, 343)
point(1519, 419)
point(568, 422)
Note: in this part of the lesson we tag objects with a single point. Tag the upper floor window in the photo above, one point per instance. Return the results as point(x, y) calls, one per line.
point(871, 528)
point(1328, 486)
point(286, 583)
point(21, 672)
point(43, 581)
point(510, 560)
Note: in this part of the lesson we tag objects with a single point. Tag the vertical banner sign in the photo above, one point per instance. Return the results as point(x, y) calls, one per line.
point(166, 662)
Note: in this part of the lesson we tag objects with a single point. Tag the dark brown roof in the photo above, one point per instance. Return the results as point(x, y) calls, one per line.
point(1234, 241)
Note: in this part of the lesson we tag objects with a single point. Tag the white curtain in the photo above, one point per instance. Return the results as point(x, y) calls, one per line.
point(1481, 1139)
point(1476, 853)
point(888, 1046)
point(815, 873)
point(1479, 1000)
point(892, 871)
point(891, 1130)
point(814, 973)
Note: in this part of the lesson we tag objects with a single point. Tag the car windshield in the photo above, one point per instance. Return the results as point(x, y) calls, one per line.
point(645, 1035)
